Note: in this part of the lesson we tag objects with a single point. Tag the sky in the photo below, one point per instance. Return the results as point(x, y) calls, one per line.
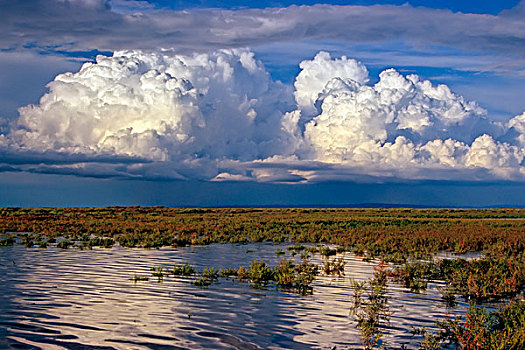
point(262, 103)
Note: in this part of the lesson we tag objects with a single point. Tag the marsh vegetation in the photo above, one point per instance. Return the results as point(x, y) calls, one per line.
point(485, 274)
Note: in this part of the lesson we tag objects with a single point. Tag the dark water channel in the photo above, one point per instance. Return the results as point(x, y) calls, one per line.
point(72, 299)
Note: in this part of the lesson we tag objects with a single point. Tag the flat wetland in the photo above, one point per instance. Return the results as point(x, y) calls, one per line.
point(168, 278)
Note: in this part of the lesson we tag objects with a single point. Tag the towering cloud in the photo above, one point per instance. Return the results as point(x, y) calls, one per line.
point(315, 74)
point(220, 116)
point(404, 122)
point(161, 107)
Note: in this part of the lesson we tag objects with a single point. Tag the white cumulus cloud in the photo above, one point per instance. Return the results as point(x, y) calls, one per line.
point(219, 116)
point(316, 73)
point(161, 107)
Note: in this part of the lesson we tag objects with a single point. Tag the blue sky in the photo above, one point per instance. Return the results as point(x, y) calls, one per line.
point(236, 142)
point(482, 6)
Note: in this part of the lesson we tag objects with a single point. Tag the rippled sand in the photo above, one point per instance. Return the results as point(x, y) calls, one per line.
point(71, 299)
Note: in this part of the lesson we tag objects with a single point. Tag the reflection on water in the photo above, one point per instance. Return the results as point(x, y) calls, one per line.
point(70, 299)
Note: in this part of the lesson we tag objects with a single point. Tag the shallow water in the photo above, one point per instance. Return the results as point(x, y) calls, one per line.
point(71, 299)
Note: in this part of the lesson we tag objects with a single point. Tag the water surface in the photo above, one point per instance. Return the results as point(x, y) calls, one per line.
point(72, 299)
